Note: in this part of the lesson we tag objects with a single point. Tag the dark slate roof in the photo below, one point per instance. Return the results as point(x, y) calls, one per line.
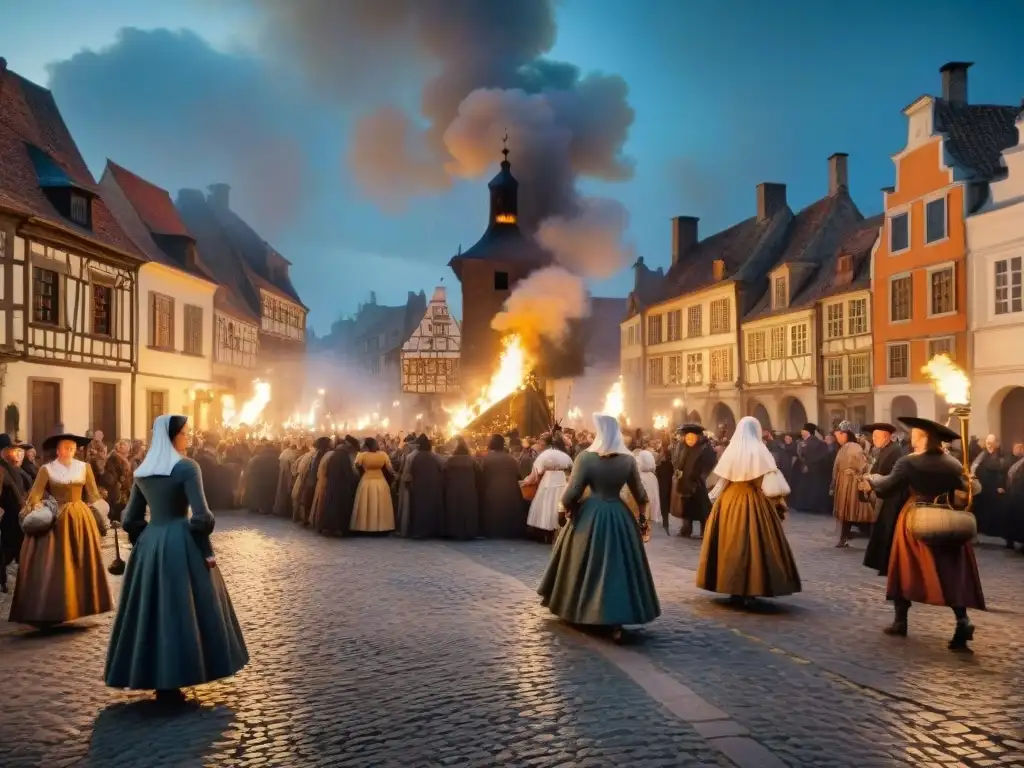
point(856, 240)
point(396, 323)
point(602, 334)
point(502, 243)
point(977, 134)
point(37, 150)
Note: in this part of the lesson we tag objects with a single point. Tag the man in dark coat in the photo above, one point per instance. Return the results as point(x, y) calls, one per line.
point(461, 494)
point(286, 479)
point(884, 454)
point(336, 492)
point(14, 487)
point(260, 481)
point(426, 492)
point(813, 473)
point(1015, 498)
point(501, 498)
point(216, 480)
point(990, 468)
point(693, 463)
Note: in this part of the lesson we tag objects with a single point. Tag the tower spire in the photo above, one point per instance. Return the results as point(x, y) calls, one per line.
point(504, 151)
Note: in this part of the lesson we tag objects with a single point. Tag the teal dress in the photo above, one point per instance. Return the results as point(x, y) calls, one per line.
point(598, 574)
point(175, 625)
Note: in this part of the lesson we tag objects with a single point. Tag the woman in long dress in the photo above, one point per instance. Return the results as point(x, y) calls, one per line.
point(373, 511)
point(549, 475)
point(598, 574)
point(745, 553)
point(848, 506)
point(60, 573)
point(647, 465)
point(175, 625)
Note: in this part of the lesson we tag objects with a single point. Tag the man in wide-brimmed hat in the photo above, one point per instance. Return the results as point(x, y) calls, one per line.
point(885, 452)
point(14, 486)
point(693, 463)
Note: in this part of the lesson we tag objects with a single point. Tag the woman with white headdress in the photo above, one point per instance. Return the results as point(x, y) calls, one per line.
point(175, 624)
point(745, 552)
point(598, 574)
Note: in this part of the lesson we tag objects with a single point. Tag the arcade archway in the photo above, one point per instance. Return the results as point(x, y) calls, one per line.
point(759, 412)
point(723, 421)
point(1011, 417)
point(694, 418)
point(902, 406)
point(794, 414)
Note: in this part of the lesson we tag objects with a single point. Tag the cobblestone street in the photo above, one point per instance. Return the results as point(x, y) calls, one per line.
point(385, 652)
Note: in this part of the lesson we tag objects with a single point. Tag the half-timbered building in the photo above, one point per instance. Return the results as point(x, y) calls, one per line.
point(430, 356)
point(68, 290)
point(176, 300)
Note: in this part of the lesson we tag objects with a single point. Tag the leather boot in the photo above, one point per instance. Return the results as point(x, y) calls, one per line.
point(898, 628)
point(962, 635)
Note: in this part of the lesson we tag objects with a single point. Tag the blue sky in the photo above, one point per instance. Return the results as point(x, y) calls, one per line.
point(727, 94)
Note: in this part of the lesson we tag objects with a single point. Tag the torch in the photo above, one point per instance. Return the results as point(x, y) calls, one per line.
point(953, 385)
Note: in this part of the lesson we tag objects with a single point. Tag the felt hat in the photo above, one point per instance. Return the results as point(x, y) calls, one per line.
point(690, 429)
point(879, 426)
point(59, 436)
point(812, 428)
point(939, 431)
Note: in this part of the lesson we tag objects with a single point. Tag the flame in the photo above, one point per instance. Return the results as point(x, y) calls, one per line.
point(660, 421)
point(512, 369)
point(396, 404)
point(251, 410)
point(949, 380)
point(574, 414)
point(677, 403)
point(615, 400)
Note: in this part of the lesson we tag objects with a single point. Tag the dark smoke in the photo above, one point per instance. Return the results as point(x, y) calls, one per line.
point(483, 72)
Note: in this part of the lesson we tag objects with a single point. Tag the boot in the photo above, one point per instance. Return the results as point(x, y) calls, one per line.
point(962, 635)
point(898, 628)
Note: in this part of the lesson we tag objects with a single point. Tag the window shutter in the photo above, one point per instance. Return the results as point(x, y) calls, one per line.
point(171, 331)
point(152, 319)
point(198, 319)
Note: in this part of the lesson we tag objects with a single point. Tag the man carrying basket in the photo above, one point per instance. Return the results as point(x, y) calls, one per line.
point(932, 560)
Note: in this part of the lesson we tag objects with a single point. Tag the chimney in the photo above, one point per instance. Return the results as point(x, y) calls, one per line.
point(771, 199)
point(837, 174)
point(954, 82)
point(684, 236)
point(190, 196)
point(373, 298)
point(888, 190)
point(220, 195)
point(718, 269)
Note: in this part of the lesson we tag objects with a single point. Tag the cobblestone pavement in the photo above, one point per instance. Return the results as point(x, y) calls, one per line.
point(373, 652)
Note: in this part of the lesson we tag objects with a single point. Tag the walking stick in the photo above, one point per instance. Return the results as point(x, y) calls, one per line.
point(117, 567)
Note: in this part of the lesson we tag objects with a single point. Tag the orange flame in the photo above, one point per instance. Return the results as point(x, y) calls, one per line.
point(949, 380)
point(615, 400)
point(510, 376)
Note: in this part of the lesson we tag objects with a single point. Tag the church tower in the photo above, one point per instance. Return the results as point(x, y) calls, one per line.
point(488, 271)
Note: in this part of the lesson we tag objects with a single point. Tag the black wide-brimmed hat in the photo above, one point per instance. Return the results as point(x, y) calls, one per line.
point(933, 428)
point(6, 442)
point(53, 440)
point(811, 427)
point(690, 429)
point(880, 426)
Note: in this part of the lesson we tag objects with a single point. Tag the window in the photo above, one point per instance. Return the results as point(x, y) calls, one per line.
point(899, 361)
point(501, 281)
point(935, 220)
point(631, 336)
point(675, 369)
point(756, 346)
point(942, 346)
point(45, 296)
point(900, 298)
point(778, 342)
point(655, 369)
point(161, 321)
point(858, 316)
point(193, 330)
point(940, 286)
point(860, 371)
point(834, 374)
point(720, 316)
point(899, 232)
point(798, 339)
point(721, 366)
point(102, 309)
point(654, 329)
point(80, 210)
point(156, 405)
point(675, 325)
point(695, 368)
point(693, 322)
point(834, 321)
point(780, 298)
point(1008, 285)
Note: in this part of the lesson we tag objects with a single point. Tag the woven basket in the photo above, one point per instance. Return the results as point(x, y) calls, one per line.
point(937, 525)
point(529, 491)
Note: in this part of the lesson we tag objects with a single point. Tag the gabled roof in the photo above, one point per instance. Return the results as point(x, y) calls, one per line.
point(37, 150)
point(152, 204)
point(977, 134)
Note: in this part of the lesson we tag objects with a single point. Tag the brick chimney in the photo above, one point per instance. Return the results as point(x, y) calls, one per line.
point(771, 199)
point(220, 195)
point(684, 236)
point(718, 269)
point(954, 82)
point(837, 174)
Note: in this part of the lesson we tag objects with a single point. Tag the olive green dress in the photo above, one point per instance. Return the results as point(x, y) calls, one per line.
point(598, 574)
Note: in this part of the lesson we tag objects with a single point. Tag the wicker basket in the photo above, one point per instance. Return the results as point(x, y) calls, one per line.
point(938, 525)
point(529, 491)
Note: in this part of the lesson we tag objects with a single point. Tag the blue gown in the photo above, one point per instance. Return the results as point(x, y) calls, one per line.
point(175, 625)
point(598, 574)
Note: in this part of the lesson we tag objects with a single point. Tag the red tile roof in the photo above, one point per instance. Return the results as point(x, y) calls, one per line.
point(30, 118)
point(153, 204)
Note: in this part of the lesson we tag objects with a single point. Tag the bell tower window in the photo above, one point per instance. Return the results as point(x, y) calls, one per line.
point(501, 281)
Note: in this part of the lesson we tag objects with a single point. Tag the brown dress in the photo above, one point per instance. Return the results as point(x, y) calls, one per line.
point(61, 576)
point(848, 504)
point(373, 511)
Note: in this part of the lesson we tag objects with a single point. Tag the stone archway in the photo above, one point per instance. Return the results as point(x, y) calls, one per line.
point(759, 412)
point(694, 418)
point(793, 413)
point(1011, 418)
point(901, 406)
point(723, 421)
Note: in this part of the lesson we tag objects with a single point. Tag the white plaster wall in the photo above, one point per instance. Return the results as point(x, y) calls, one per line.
point(987, 393)
point(922, 394)
point(184, 289)
point(76, 394)
point(178, 400)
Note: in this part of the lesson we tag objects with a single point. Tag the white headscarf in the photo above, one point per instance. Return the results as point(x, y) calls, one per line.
point(162, 456)
point(746, 457)
point(607, 436)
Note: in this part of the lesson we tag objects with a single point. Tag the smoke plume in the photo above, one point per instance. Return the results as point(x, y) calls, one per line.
point(589, 244)
point(542, 307)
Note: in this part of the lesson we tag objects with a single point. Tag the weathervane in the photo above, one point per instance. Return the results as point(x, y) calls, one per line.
point(504, 144)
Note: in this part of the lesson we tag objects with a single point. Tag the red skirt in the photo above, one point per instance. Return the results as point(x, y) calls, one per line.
point(946, 576)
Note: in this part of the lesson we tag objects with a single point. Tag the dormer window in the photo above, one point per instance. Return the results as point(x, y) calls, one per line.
point(79, 209)
point(780, 292)
point(844, 264)
point(505, 218)
point(718, 269)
